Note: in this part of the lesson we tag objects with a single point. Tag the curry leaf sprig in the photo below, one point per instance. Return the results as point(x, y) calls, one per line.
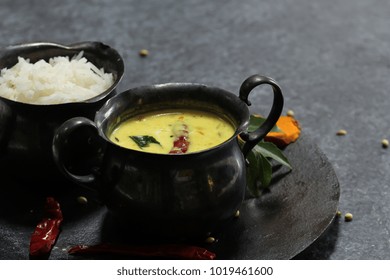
point(259, 171)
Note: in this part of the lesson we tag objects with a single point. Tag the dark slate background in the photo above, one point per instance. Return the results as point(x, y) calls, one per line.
point(332, 59)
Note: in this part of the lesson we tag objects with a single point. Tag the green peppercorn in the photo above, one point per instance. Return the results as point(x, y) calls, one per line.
point(348, 217)
point(341, 132)
point(290, 113)
point(82, 200)
point(210, 240)
point(385, 143)
point(143, 52)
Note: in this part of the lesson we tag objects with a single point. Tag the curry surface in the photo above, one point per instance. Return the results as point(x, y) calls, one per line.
point(203, 130)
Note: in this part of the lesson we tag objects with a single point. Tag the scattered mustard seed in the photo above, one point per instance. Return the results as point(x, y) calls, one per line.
point(338, 213)
point(237, 214)
point(341, 132)
point(348, 217)
point(210, 240)
point(385, 143)
point(82, 200)
point(290, 113)
point(143, 52)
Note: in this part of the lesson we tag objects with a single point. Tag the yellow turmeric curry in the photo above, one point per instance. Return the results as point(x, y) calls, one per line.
point(172, 132)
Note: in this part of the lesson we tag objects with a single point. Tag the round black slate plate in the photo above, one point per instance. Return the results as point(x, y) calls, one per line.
point(299, 207)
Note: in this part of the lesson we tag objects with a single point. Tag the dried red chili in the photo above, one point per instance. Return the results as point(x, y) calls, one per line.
point(153, 251)
point(47, 230)
point(181, 142)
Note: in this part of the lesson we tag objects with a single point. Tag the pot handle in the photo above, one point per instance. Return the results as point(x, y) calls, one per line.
point(252, 138)
point(77, 145)
point(6, 117)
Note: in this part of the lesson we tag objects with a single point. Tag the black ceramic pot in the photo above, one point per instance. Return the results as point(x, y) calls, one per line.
point(26, 130)
point(167, 194)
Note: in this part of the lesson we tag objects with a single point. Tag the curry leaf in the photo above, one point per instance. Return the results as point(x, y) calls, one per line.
point(259, 171)
point(266, 171)
point(270, 150)
point(144, 141)
point(253, 174)
point(255, 121)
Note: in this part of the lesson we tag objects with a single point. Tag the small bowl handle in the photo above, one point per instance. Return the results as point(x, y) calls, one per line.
point(77, 143)
point(252, 138)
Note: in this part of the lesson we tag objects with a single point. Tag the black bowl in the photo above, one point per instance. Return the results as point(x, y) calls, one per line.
point(26, 130)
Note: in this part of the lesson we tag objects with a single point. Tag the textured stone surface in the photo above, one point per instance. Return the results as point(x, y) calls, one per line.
point(332, 58)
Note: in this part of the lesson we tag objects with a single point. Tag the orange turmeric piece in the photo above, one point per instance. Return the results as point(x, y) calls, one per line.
point(289, 132)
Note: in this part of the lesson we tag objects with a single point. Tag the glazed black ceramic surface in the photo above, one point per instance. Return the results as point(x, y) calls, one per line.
point(26, 130)
point(187, 194)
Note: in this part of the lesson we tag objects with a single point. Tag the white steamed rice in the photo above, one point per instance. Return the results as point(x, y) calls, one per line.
point(61, 80)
